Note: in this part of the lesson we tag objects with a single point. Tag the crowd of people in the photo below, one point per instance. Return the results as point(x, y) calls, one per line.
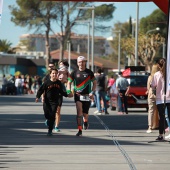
point(93, 89)
point(158, 98)
point(20, 84)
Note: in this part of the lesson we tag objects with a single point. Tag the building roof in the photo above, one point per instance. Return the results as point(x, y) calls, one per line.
point(14, 60)
point(105, 63)
point(56, 55)
point(98, 61)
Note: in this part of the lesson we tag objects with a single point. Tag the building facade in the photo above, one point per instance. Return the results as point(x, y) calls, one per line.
point(79, 44)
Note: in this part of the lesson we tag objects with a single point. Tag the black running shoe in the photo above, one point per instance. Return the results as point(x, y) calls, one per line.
point(160, 138)
point(49, 133)
point(85, 125)
point(79, 133)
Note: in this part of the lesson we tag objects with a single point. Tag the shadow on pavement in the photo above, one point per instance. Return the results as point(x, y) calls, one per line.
point(29, 129)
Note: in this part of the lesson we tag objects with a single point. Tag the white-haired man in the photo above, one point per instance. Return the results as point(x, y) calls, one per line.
point(84, 88)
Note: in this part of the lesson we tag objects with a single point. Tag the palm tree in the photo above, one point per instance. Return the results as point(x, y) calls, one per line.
point(5, 45)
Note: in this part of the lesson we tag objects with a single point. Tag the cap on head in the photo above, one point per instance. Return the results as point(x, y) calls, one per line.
point(81, 58)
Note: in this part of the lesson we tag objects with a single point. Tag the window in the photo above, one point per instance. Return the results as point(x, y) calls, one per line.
point(138, 81)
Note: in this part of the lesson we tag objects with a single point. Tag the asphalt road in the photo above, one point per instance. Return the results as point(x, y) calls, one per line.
point(112, 142)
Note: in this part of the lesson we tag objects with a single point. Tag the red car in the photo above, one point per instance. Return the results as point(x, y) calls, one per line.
point(137, 93)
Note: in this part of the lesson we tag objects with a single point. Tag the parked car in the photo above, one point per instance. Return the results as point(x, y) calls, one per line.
point(137, 97)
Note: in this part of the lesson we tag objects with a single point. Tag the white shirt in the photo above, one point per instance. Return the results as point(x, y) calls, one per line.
point(18, 82)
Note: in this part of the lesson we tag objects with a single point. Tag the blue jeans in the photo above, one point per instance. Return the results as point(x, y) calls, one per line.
point(19, 90)
point(101, 95)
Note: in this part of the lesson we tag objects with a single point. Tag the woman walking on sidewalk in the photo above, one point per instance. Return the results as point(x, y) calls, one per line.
point(158, 84)
point(153, 120)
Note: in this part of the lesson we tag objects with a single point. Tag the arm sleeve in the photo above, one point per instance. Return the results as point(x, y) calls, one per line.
point(62, 92)
point(41, 90)
point(153, 82)
point(117, 83)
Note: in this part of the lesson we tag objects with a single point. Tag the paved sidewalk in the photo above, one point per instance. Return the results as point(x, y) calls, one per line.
point(112, 142)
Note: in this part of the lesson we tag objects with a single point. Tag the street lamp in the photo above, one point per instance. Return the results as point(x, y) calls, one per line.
point(88, 41)
point(119, 32)
point(92, 44)
point(156, 29)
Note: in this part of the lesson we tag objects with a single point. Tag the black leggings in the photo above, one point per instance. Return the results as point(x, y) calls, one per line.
point(162, 122)
point(49, 113)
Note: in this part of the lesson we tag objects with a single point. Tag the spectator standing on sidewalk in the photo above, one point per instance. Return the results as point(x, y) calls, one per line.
point(51, 89)
point(23, 83)
point(122, 86)
point(4, 84)
point(29, 84)
point(82, 78)
point(111, 81)
point(158, 84)
point(18, 84)
point(153, 120)
point(101, 88)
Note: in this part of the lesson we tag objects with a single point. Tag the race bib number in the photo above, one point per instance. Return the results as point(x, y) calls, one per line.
point(84, 98)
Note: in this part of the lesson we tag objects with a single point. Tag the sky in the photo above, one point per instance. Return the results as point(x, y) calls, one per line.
point(10, 32)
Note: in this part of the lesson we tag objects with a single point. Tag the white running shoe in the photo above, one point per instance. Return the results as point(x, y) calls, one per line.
point(149, 131)
point(96, 111)
point(167, 137)
point(99, 113)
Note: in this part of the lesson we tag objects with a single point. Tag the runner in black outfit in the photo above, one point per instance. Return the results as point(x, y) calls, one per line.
point(52, 89)
point(82, 78)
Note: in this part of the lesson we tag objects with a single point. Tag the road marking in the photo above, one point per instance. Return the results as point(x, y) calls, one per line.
point(126, 156)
